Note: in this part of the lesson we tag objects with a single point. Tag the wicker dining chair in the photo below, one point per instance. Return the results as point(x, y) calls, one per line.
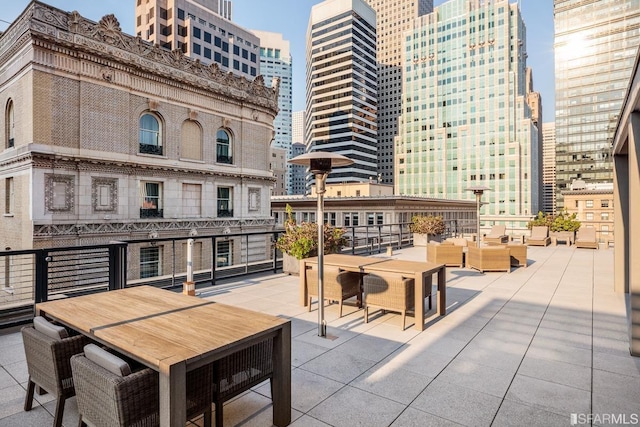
point(240, 371)
point(48, 350)
point(389, 292)
point(338, 285)
point(110, 394)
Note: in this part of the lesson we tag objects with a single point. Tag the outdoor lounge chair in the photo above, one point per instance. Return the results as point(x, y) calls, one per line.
point(586, 238)
point(539, 236)
point(447, 254)
point(490, 258)
point(48, 349)
point(109, 393)
point(390, 292)
point(338, 285)
point(497, 235)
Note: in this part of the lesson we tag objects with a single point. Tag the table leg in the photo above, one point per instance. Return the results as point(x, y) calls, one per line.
point(442, 291)
point(419, 284)
point(173, 390)
point(304, 297)
point(281, 381)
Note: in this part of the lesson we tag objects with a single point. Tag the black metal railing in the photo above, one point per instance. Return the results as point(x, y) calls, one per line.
point(224, 159)
point(151, 149)
point(151, 213)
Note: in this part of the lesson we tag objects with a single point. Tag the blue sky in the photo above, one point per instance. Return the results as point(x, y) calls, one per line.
point(290, 17)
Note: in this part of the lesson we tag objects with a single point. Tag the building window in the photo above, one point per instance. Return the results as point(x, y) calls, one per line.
point(351, 219)
point(207, 37)
point(150, 136)
point(604, 216)
point(330, 218)
point(196, 49)
point(150, 265)
point(207, 53)
point(223, 253)
point(196, 32)
point(151, 200)
point(180, 14)
point(223, 147)
point(379, 218)
point(225, 202)
point(589, 216)
point(8, 196)
point(589, 203)
point(371, 219)
point(604, 203)
point(10, 123)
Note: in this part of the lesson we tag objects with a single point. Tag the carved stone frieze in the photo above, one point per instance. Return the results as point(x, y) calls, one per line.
point(59, 192)
point(106, 40)
point(97, 186)
point(120, 228)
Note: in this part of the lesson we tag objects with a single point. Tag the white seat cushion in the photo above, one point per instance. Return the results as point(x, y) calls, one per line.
point(49, 329)
point(108, 361)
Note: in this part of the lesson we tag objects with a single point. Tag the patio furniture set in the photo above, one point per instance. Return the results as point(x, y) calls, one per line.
point(146, 356)
point(386, 284)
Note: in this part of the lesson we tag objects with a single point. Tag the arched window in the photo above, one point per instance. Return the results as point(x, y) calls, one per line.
point(150, 135)
point(10, 121)
point(223, 147)
point(191, 141)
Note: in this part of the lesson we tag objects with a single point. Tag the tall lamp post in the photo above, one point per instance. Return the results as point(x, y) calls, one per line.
point(320, 164)
point(478, 192)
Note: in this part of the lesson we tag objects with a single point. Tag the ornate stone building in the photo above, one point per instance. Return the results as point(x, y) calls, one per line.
point(108, 137)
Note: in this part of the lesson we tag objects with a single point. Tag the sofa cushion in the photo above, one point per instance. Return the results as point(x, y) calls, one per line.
point(108, 361)
point(56, 332)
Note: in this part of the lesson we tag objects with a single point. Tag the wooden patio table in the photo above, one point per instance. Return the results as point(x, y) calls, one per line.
point(422, 273)
point(174, 333)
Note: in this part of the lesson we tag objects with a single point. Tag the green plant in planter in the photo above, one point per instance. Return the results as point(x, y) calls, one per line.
point(565, 222)
point(301, 240)
point(541, 220)
point(427, 224)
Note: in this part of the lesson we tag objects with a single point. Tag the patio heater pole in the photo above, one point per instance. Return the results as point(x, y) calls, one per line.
point(478, 192)
point(320, 164)
point(321, 179)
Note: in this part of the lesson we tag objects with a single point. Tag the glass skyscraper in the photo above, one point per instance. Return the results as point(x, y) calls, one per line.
point(466, 121)
point(341, 113)
point(595, 47)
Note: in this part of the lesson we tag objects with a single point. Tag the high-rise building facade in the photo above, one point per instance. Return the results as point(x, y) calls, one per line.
point(549, 167)
point(275, 63)
point(466, 121)
point(393, 18)
point(202, 30)
point(341, 114)
point(595, 47)
point(296, 178)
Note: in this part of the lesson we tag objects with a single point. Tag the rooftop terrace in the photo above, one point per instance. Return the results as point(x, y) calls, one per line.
point(530, 347)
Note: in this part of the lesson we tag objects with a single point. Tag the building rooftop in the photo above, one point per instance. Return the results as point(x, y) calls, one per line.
point(531, 347)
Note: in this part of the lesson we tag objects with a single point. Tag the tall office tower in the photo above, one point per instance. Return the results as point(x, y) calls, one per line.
point(393, 18)
point(341, 86)
point(298, 172)
point(595, 47)
point(275, 63)
point(466, 121)
point(534, 100)
point(549, 167)
point(296, 180)
point(202, 30)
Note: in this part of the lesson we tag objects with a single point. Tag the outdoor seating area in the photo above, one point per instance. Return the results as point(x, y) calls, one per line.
point(537, 344)
point(498, 234)
point(539, 236)
point(586, 238)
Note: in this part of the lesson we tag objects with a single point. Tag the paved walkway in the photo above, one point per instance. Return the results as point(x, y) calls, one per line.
point(527, 348)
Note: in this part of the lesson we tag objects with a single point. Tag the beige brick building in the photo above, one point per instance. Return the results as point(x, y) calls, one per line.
point(107, 137)
point(593, 206)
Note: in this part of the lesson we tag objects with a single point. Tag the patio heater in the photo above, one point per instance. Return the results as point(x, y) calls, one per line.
point(320, 164)
point(478, 192)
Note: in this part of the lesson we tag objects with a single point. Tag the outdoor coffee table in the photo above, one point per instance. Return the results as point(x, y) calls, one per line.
point(174, 333)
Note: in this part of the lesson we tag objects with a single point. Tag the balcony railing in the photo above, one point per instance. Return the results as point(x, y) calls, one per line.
point(224, 159)
point(151, 149)
point(151, 213)
point(225, 213)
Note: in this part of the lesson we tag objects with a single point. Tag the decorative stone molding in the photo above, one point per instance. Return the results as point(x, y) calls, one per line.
point(53, 199)
point(153, 105)
point(193, 115)
point(105, 40)
point(254, 199)
point(112, 184)
point(127, 228)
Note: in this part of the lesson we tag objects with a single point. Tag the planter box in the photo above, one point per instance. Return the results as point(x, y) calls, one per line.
point(420, 239)
point(290, 265)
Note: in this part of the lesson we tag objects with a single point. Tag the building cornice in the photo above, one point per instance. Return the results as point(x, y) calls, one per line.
point(104, 43)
